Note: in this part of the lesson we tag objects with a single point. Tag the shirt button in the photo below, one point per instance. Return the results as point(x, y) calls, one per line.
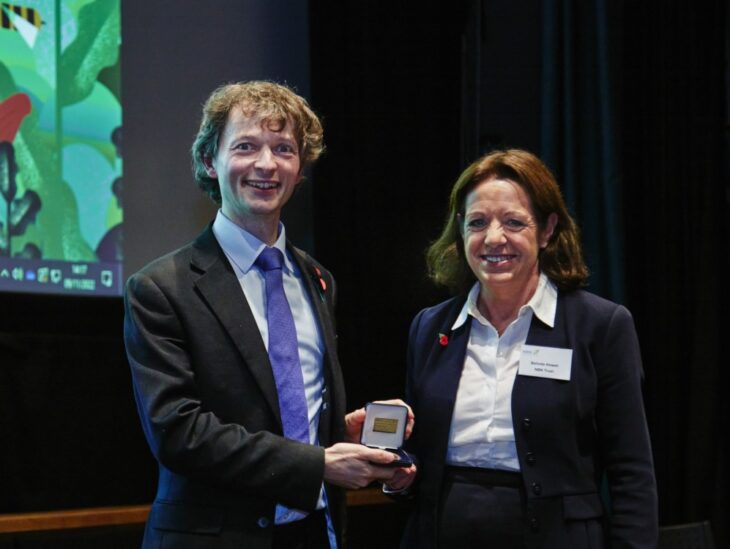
point(530, 458)
point(536, 488)
point(534, 524)
point(263, 522)
point(526, 424)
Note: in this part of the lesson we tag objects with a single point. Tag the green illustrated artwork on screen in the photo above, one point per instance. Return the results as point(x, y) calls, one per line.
point(60, 147)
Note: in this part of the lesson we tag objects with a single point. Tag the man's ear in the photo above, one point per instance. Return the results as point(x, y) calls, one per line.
point(209, 168)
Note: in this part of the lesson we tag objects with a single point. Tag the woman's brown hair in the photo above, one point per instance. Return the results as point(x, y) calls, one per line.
point(561, 260)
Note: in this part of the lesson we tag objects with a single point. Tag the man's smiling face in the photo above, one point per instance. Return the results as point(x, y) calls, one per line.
point(257, 166)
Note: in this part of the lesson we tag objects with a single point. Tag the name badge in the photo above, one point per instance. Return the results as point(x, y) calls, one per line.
point(549, 362)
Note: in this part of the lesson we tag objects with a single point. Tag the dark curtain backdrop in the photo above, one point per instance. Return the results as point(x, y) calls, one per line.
point(69, 431)
point(386, 79)
point(634, 98)
point(579, 128)
point(676, 203)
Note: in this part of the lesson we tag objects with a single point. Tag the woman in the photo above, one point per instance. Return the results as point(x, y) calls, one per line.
point(527, 389)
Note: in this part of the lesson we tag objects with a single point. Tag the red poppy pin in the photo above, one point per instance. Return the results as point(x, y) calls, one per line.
point(319, 282)
point(443, 340)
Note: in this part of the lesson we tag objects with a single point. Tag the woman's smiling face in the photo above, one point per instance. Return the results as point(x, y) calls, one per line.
point(502, 238)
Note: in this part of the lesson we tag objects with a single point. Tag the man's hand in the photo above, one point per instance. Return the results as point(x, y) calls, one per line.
point(355, 420)
point(355, 466)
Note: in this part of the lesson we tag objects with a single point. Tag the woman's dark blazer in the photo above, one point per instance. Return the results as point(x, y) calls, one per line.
point(207, 399)
point(568, 433)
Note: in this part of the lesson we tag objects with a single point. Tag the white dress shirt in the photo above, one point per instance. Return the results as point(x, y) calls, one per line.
point(481, 432)
point(242, 249)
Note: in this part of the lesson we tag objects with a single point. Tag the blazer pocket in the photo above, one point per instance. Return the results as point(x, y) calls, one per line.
point(582, 506)
point(178, 517)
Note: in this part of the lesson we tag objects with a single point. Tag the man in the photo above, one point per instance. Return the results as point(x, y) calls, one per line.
point(248, 432)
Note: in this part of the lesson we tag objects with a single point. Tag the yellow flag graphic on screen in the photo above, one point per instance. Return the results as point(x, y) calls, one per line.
point(26, 21)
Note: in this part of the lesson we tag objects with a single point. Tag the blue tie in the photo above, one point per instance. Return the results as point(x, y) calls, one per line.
point(284, 349)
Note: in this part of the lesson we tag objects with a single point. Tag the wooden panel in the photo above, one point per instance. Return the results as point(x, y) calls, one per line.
point(368, 496)
point(74, 518)
point(128, 514)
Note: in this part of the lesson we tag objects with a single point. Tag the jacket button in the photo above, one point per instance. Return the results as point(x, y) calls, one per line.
point(530, 458)
point(263, 522)
point(536, 488)
point(526, 424)
point(534, 524)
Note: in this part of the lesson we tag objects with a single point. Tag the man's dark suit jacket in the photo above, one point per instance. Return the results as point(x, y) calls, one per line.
point(207, 399)
point(567, 433)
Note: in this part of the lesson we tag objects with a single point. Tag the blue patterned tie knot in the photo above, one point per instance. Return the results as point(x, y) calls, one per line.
point(284, 348)
point(269, 259)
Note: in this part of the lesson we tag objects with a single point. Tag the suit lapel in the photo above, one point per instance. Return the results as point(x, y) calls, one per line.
point(219, 287)
point(529, 390)
point(445, 363)
point(545, 336)
point(332, 371)
point(316, 297)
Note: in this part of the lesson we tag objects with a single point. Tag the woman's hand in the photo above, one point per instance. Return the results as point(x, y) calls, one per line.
point(355, 420)
point(402, 479)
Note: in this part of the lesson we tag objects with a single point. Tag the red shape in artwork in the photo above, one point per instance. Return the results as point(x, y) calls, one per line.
point(12, 111)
